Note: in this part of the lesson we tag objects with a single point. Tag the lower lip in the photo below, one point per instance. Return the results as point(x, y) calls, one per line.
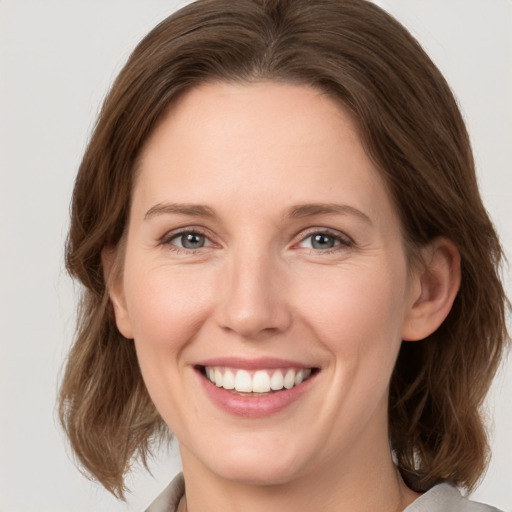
point(254, 406)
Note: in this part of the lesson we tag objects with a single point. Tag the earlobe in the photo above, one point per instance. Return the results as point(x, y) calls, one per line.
point(113, 279)
point(436, 285)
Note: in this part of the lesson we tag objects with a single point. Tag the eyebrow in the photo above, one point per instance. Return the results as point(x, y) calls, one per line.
point(295, 212)
point(195, 210)
point(309, 210)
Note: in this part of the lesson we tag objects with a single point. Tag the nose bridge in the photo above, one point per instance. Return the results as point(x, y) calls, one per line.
point(254, 299)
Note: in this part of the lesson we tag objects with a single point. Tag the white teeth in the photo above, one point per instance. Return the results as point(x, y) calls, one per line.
point(262, 381)
point(243, 381)
point(229, 380)
point(289, 379)
point(277, 381)
point(299, 377)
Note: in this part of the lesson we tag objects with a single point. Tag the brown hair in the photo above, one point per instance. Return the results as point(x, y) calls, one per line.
point(412, 129)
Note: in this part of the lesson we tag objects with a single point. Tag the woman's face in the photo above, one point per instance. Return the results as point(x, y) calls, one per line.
point(263, 249)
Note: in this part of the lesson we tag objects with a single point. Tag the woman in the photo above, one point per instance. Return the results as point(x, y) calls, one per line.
point(287, 264)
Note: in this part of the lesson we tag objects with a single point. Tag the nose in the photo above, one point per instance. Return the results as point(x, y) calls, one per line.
point(254, 301)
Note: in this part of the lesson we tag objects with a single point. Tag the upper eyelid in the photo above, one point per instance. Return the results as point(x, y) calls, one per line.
point(185, 232)
point(173, 233)
point(302, 235)
point(167, 238)
point(166, 241)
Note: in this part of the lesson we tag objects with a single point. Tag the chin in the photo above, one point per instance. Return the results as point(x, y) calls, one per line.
point(256, 466)
point(264, 475)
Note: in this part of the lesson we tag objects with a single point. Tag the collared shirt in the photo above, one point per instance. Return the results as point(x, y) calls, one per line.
point(441, 498)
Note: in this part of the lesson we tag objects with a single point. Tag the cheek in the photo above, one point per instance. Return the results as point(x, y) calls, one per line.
point(358, 319)
point(359, 311)
point(166, 307)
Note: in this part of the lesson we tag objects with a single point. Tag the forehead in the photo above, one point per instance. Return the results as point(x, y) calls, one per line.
point(223, 144)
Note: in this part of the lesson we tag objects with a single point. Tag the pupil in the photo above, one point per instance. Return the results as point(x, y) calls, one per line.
point(192, 240)
point(322, 241)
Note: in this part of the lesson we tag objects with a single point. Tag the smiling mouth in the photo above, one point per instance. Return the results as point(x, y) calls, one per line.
point(256, 382)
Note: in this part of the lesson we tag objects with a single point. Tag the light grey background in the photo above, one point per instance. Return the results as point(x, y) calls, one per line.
point(57, 60)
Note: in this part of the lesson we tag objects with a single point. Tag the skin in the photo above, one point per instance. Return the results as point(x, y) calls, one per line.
point(258, 287)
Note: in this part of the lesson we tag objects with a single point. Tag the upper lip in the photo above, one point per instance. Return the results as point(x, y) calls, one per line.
point(253, 364)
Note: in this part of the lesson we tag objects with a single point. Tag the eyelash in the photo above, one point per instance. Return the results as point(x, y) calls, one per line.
point(342, 241)
point(167, 240)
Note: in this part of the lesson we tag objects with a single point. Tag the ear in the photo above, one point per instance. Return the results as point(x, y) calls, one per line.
point(110, 260)
point(433, 290)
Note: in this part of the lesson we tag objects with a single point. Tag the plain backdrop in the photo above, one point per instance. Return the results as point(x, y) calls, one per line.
point(57, 60)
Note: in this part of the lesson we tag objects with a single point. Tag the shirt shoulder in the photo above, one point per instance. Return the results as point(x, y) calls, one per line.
point(446, 498)
point(170, 497)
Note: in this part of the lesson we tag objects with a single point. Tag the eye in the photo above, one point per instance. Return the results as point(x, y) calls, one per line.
point(188, 240)
point(325, 241)
point(322, 241)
